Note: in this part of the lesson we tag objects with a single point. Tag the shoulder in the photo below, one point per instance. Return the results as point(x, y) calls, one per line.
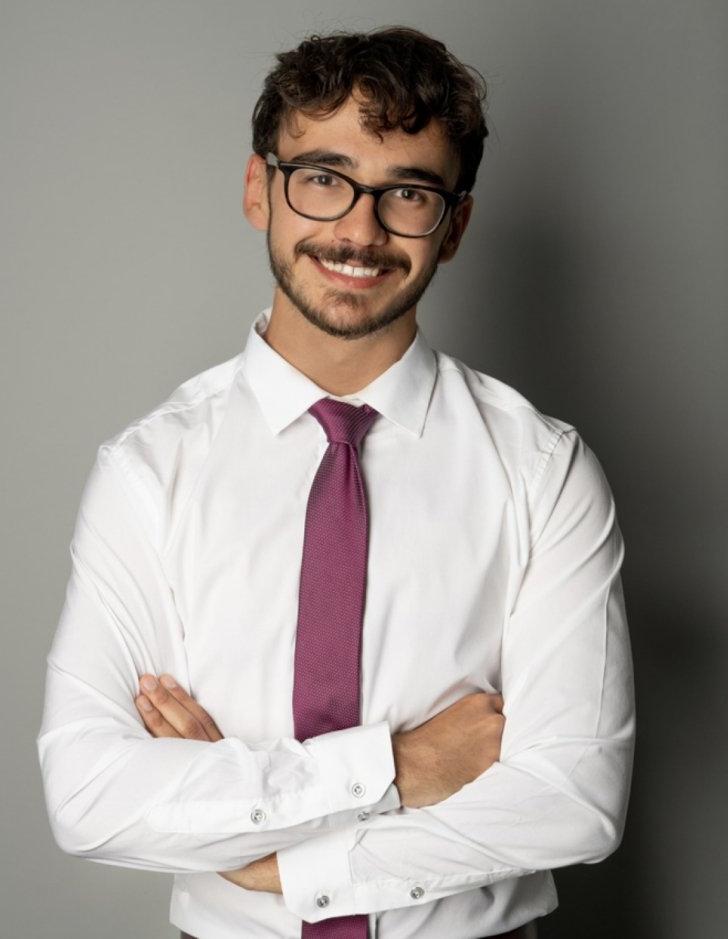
point(545, 458)
point(159, 454)
point(524, 436)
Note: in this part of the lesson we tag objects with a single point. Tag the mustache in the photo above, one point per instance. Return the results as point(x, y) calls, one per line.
point(346, 256)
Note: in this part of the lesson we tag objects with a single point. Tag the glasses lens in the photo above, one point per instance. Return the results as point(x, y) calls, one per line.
point(405, 211)
point(319, 194)
point(411, 211)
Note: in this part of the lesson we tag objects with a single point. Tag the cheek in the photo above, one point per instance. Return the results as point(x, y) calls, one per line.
point(289, 232)
point(423, 260)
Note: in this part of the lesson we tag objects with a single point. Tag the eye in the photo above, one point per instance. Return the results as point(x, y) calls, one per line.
point(409, 195)
point(324, 180)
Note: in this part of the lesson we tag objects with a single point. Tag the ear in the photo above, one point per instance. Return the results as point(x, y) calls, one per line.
point(255, 194)
point(458, 223)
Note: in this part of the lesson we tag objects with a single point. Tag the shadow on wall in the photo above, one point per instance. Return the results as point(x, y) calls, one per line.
point(541, 334)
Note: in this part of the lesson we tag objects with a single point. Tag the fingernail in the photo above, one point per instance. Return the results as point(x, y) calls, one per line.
point(149, 683)
point(145, 704)
point(168, 681)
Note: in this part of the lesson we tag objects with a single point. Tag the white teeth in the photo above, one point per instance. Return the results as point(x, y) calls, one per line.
point(349, 270)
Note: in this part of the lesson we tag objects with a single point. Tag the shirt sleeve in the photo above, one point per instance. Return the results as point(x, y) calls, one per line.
point(117, 795)
point(559, 793)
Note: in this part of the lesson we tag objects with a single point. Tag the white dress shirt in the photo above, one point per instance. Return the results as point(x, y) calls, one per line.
point(494, 558)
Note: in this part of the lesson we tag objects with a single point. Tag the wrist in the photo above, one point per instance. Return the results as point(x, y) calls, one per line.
point(403, 767)
point(262, 875)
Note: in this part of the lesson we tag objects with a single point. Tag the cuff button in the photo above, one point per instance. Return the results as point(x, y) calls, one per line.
point(322, 900)
point(257, 816)
point(358, 790)
point(416, 893)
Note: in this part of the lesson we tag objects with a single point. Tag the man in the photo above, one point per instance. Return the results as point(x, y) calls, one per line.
point(386, 585)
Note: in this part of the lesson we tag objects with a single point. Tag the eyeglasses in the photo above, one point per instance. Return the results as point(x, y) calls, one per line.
point(324, 195)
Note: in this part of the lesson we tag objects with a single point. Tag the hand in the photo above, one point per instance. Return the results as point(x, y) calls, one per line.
point(451, 749)
point(168, 711)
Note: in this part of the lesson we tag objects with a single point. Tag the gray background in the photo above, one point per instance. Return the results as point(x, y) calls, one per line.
point(592, 278)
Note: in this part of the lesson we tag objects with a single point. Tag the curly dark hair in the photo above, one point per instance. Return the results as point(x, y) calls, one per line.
point(406, 77)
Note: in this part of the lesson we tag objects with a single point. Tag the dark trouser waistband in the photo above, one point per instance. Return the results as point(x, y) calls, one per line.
point(527, 931)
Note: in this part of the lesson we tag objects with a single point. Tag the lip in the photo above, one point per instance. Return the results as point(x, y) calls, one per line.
point(356, 282)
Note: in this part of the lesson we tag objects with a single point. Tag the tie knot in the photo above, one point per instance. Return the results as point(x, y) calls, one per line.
point(344, 422)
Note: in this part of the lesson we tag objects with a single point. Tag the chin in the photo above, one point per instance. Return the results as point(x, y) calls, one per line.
point(348, 323)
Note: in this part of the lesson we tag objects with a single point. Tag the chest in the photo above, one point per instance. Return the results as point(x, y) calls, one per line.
point(440, 567)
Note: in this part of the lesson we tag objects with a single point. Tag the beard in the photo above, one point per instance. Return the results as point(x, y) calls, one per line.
point(319, 314)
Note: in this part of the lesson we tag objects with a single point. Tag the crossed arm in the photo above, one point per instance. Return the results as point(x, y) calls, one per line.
point(168, 711)
point(432, 761)
point(556, 795)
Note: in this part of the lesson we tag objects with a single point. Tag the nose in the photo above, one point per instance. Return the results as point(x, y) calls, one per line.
point(360, 225)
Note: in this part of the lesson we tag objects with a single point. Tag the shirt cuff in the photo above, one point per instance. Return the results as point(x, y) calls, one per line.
point(356, 767)
point(349, 772)
point(316, 880)
point(390, 800)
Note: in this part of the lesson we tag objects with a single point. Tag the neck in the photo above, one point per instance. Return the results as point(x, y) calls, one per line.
point(338, 365)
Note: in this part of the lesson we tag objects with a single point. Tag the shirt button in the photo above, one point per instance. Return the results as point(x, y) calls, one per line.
point(416, 893)
point(322, 900)
point(257, 816)
point(362, 816)
point(358, 790)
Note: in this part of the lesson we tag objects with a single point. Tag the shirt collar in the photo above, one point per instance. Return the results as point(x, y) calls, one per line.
point(401, 393)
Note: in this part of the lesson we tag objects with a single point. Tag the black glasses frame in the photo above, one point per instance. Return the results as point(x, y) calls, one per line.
point(451, 199)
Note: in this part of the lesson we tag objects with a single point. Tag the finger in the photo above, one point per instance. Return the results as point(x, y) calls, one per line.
point(181, 711)
point(153, 720)
point(188, 702)
point(184, 722)
point(497, 701)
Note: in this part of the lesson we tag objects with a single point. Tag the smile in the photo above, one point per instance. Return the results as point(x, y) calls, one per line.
point(353, 276)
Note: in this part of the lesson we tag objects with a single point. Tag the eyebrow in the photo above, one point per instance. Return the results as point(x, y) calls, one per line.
point(329, 158)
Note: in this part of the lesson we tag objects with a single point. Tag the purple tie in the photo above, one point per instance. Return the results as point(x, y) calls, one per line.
point(326, 679)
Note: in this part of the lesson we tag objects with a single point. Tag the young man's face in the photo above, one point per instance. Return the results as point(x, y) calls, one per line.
point(339, 305)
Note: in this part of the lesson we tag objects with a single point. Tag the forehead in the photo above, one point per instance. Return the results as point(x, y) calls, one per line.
point(343, 132)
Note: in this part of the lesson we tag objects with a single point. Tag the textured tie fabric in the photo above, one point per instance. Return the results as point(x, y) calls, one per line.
point(326, 680)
